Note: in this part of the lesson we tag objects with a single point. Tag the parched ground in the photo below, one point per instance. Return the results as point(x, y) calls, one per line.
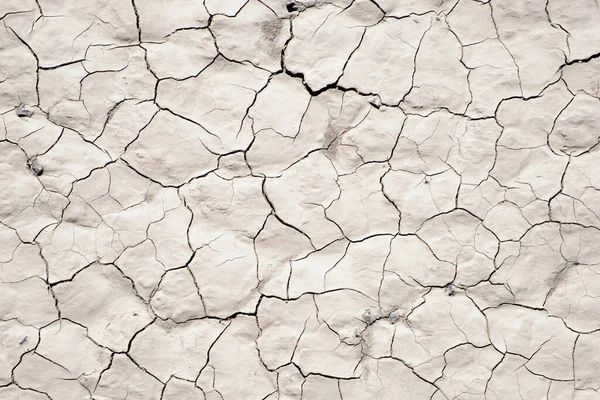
point(328, 200)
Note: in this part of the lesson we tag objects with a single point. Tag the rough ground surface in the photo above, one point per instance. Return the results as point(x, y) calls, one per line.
point(337, 200)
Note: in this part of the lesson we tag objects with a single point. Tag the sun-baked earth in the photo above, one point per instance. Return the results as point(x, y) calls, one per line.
point(318, 200)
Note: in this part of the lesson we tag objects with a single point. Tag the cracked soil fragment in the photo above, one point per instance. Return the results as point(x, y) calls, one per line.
point(299, 200)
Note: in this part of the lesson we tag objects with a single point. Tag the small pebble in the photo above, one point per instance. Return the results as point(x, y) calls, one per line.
point(23, 111)
point(294, 6)
point(394, 317)
point(36, 167)
point(368, 316)
point(450, 290)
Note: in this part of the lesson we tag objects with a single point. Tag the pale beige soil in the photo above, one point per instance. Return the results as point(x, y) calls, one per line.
point(328, 200)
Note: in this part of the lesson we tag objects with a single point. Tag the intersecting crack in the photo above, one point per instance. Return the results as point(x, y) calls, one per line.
point(300, 200)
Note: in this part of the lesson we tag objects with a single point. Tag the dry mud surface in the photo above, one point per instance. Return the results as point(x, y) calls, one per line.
point(336, 200)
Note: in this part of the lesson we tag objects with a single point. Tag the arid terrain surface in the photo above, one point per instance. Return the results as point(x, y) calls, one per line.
point(319, 200)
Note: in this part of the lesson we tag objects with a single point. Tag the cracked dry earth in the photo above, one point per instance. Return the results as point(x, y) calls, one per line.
point(248, 199)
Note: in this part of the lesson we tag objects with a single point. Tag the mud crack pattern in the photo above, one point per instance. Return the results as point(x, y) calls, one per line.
point(271, 200)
